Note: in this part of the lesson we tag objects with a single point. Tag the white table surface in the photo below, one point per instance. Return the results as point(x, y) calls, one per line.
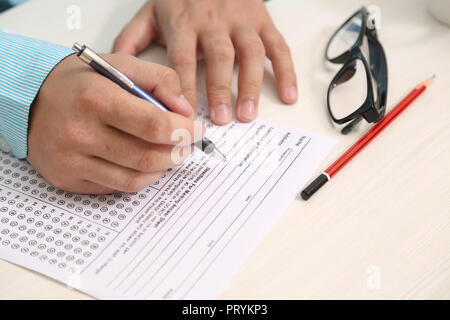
point(386, 216)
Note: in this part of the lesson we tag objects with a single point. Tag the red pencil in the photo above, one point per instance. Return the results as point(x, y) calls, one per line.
point(364, 140)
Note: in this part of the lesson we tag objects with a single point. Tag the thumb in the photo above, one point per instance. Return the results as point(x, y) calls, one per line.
point(139, 33)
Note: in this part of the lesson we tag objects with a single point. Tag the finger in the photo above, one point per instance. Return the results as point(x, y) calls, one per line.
point(251, 55)
point(138, 34)
point(133, 153)
point(278, 51)
point(182, 51)
point(143, 120)
point(162, 82)
point(219, 56)
point(109, 175)
point(88, 187)
point(65, 174)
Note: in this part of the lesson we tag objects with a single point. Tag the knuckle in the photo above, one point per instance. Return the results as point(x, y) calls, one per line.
point(250, 86)
point(157, 177)
point(222, 50)
point(152, 124)
point(280, 48)
point(153, 179)
point(254, 49)
point(146, 161)
point(168, 127)
point(89, 98)
point(220, 90)
point(189, 89)
point(181, 22)
point(72, 135)
point(135, 182)
point(157, 126)
point(170, 75)
point(131, 183)
point(179, 58)
point(62, 160)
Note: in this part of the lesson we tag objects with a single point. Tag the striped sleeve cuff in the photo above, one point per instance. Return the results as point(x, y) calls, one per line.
point(24, 65)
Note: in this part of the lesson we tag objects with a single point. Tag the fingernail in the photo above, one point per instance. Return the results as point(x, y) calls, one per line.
point(221, 114)
point(291, 94)
point(247, 110)
point(184, 103)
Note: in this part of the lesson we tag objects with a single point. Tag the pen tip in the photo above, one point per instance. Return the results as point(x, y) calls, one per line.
point(220, 155)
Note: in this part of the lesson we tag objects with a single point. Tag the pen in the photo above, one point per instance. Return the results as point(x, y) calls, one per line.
point(103, 67)
point(325, 176)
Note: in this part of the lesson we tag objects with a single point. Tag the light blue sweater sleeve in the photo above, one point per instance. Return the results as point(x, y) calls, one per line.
point(24, 65)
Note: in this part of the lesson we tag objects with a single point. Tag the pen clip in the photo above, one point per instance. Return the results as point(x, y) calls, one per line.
point(88, 55)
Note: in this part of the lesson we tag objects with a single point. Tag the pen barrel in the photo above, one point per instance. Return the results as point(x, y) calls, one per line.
point(135, 90)
point(109, 75)
point(314, 186)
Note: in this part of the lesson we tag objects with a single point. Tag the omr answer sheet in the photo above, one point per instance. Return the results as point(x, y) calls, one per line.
point(182, 238)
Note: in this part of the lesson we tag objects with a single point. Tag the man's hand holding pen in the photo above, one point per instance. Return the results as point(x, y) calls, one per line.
point(88, 135)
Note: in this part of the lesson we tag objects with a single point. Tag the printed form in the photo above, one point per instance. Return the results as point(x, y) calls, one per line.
point(182, 238)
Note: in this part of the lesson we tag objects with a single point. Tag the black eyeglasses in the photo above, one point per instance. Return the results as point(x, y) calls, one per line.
point(359, 89)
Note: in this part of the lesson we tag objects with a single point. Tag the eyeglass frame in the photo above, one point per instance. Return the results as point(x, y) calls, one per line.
point(372, 110)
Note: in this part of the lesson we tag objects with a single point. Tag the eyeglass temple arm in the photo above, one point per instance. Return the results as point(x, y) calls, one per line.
point(377, 58)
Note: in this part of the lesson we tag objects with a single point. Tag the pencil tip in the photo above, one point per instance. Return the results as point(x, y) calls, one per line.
point(427, 82)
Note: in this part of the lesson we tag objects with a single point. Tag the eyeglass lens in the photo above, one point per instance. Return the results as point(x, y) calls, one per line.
point(349, 91)
point(346, 37)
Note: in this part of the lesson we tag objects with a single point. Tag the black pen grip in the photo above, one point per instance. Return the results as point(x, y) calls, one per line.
point(314, 186)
